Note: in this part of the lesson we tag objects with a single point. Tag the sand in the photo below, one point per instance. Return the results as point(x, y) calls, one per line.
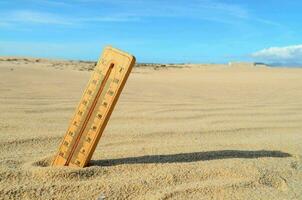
point(178, 132)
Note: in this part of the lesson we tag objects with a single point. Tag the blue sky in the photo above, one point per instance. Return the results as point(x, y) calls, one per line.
point(196, 31)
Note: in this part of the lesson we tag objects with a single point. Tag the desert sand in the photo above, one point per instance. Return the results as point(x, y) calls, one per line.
point(177, 132)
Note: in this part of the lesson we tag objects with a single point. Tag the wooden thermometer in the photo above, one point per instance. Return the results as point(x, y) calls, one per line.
point(95, 108)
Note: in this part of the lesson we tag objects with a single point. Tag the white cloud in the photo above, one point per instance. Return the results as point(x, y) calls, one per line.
point(33, 17)
point(288, 54)
point(39, 17)
point(4, 24)
point(196, 9)
point(28, 16)
point(132, 10)
point(210, 10)
point(108, 19)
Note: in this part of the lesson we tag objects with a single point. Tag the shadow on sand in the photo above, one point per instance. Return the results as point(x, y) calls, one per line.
point(191, 157)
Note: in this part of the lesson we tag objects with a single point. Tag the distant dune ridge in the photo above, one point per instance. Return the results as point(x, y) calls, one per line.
point(179, 131)
point(89, 65)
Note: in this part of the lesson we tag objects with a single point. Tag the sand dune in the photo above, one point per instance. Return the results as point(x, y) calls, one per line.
point(178, 132)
